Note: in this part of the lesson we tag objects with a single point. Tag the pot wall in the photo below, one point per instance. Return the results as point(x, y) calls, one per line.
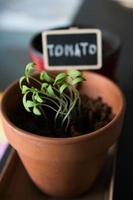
point(66, 167)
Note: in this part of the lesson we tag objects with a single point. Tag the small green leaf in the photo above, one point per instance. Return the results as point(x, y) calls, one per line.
point(77, 80)
point(30, 104)
point(25, 102)
point(60, 77)
point(24, 89)
point(74, 73)
point(44, 86)
point(36, 111)
point(20, 81)
point(38, 98)
point(41, 75)
point(63, 87)
point(50, 91)
point(28, 69)
point(45, 76)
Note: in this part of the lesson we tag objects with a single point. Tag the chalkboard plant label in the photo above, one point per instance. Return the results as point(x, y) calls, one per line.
point(72, 49)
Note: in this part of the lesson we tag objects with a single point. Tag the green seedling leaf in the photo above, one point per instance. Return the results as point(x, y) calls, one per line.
point(44, 86)
point(77, 80)
point(63, 87)
point(20, 81)
point(36, 111)
point(25, 102)
point(50, 91)
point(46, 77)
point(60, 78)
point(29, 68)
point(41, 75)
point(24, 89)
point(38, 98)
point(74, 73)
point(30, 104)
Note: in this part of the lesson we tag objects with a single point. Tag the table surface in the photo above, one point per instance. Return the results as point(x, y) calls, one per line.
point(112, 16)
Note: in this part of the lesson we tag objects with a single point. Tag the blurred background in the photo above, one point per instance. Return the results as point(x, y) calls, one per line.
point(21, 20)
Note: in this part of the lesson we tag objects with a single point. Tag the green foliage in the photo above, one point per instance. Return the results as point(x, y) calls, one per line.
point(74, 73)
point(28, 70)
point(60, 78)
point(24, 89)
point(63, 87)
point(58, 93)
point(77, 80)
point(44, 76)
point(36, 111)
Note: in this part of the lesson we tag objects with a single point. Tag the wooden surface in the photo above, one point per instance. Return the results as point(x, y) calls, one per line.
point(15, 183)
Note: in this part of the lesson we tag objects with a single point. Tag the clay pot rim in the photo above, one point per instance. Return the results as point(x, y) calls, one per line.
point(69, 139)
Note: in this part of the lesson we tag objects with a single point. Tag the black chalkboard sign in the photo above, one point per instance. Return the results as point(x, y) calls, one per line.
point(73, 48)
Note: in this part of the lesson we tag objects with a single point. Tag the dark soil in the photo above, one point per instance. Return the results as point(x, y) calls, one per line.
point(93, 115)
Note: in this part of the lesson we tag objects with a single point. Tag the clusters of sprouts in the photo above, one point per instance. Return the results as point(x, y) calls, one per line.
point(58, 93)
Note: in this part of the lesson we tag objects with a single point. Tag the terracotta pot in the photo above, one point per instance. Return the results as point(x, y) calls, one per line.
point(65, 167)
point(111, 51)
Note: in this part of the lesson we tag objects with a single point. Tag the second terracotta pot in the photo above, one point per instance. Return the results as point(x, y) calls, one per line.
point(65, 167)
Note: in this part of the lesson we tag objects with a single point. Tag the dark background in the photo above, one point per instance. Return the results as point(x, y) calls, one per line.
point(105, 14)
